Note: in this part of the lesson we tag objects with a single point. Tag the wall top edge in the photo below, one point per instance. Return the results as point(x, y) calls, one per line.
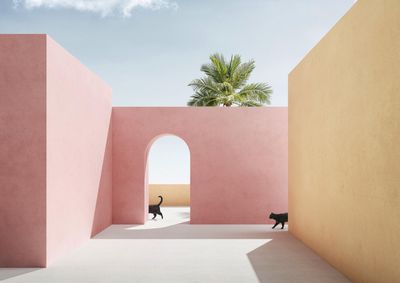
point(48, 39)
point(202, 107)
point(23, 34)
point(52, 43)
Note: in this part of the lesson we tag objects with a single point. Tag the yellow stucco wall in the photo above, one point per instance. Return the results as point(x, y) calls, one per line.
point(344, 144)
point(173, 194)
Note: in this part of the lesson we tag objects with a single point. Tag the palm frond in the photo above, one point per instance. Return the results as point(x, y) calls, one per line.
point(250, 103)
point(242, 74)
point(211, 72)
point(225, 84)
point(203, 98)
point(259, 92)
point(220, 66)
point(204, 84)
point(233, 64)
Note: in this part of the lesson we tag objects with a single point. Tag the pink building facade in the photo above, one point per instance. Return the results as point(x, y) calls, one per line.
point(71, 164)
point(238, 160)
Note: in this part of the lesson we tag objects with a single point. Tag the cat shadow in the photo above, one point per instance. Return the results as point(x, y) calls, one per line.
point(7, 273)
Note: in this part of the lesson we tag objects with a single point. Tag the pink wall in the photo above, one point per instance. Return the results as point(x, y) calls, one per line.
point(22, 150)
point(66, 173)
point(78, 152)
point(238, 160)
point(55, 153)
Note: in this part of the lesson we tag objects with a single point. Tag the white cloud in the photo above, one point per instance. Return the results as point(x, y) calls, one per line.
point(104, 7)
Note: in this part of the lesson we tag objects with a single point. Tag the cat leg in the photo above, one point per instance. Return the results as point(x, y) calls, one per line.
point(283, 225)
point(162, 217)
point(276, 223)
point(154, 215)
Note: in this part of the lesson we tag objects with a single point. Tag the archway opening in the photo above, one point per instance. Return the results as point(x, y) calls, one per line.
point(168, 176)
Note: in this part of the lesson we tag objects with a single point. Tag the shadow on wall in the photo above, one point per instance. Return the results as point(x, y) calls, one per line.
point(6, 273)
point(273, 261)
point(102, 216)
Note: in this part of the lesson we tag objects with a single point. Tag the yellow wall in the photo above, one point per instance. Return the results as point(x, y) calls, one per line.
point(173, 194)
point(344, 144)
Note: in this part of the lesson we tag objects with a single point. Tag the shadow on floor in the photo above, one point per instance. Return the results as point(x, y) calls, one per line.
point(190, 231)
point(282, 259)
point(6, 273)
point(286, 259)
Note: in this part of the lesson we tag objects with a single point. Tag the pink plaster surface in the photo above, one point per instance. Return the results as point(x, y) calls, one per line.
point(71, 164)
point(238, 161)
point(22, 151)
point(103, 212)
point(78, 153)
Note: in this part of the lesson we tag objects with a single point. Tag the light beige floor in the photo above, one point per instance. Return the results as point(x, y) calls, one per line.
point(171, 250)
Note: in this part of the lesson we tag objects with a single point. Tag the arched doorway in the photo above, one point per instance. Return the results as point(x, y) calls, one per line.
point(168, 175)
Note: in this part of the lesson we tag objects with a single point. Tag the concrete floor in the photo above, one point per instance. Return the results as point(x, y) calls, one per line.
point(171, 250)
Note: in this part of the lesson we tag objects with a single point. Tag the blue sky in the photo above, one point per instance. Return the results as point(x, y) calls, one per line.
point(149, 57)
point(149, 50)
point(169, 161)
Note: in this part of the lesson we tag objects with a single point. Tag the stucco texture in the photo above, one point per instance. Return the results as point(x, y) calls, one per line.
point(22, 150)
point(79, 168)
point(344, 133)
point(55, 153)
point(238, 161)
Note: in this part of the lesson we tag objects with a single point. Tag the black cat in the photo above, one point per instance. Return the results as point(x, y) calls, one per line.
point(155, 208)
point(279, 218)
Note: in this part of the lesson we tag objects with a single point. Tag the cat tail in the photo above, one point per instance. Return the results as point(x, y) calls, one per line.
point(161, 200)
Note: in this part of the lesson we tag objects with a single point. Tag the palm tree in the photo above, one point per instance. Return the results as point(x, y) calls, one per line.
point(225, 84)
